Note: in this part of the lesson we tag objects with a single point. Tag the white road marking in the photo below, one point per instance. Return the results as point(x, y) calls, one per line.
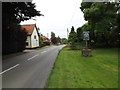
point(32, 57)
point(9, 69)
point(43, 51)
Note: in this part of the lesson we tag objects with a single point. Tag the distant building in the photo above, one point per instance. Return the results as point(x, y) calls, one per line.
point(45, 39)
point(32, 35)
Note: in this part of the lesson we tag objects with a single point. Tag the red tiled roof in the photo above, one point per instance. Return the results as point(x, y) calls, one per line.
point(45, 38)
point(29, 28)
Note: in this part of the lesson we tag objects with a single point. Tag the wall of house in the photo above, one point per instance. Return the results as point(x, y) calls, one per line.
point(28, 43)
point(34, 39)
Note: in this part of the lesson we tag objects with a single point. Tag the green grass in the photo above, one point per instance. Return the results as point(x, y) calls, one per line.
point(72, 70)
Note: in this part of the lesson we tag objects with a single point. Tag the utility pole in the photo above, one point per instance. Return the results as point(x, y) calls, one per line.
point(67, 32)
point(47, 35)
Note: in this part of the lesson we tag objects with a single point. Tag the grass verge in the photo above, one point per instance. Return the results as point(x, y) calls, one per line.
point(72, 70)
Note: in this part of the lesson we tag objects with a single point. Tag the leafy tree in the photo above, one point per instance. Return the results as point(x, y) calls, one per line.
point(64, 41)
point(102, 19)
point(72, 39)
point(41, 40)
point(13, 37)
point(18, 11)
point(79, 34)
point(72, 36)
point(58, 39)
point(52, 35)
point(53, 38)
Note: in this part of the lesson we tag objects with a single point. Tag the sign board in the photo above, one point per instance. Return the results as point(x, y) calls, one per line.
point(86, 35)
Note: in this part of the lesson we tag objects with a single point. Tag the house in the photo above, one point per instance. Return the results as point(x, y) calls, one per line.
point(32, 35)
point(45, 39)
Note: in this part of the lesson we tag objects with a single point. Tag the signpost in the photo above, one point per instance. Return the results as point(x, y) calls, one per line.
point(86, 51)
point(86, 37)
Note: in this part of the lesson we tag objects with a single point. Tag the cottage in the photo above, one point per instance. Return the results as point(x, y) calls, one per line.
point(32, 35)
point(45, 39)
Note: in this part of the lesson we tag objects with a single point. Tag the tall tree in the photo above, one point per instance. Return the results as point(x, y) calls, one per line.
point(102, 17)
point(53, 38)
point(52, 35)
point(58, 39)
point(79, 34)
point(72, 39)
point(72, 36)
point(13, 37)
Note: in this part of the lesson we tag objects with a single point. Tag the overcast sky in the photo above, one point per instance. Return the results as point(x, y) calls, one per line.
point(58, 16)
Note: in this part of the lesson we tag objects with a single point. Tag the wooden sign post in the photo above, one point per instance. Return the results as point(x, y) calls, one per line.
point(86, 51)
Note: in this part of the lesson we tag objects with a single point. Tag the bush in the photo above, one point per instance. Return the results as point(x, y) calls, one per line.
point(46, 43)
point(75, 46)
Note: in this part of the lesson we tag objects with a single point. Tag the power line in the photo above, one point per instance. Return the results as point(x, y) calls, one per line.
point(73, 13)
point(72, 18)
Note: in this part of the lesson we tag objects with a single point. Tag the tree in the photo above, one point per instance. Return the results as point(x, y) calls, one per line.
point(41, 39)
point(79, 34)
point(102, 19)
point(72, 36)
point(53, 38)
point(58, 39)
point(64, 41)
point(13, 37)
point(52, 35)
point(18, 11)
point(72, 39)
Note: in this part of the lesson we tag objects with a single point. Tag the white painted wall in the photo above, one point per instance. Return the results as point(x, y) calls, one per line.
point(34, 41)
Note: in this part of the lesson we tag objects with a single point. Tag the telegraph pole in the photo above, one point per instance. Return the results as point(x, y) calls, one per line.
point(47, 35)
point(67, 32)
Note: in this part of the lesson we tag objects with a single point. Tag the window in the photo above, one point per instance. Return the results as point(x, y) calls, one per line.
point(34, 37)
point(26, 43)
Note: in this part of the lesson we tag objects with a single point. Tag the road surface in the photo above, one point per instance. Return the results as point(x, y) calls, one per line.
point(29, 70)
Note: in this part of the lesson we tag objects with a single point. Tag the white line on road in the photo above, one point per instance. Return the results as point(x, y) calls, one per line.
point(9, 69)
point(43, 51)
point(32, 57)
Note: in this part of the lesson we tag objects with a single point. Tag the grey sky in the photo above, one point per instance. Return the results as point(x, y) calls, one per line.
point(58, 16)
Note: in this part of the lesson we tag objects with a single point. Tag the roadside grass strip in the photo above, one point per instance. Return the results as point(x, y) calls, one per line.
point(72, 70)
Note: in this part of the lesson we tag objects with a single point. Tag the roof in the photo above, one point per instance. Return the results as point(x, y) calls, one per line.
point(29, 28)
point(45, 39)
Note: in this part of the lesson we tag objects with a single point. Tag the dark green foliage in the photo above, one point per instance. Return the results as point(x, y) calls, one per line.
point(64, 41)
point(19, 11)
point(72, 39)
point(46, 43)
point(13, 40)
point(85, 5)
point(58, 39)
point(40, 40)
point(52, 35)
point(103, 22)
point(79, 34)
point(72, 36)
point(13, 37)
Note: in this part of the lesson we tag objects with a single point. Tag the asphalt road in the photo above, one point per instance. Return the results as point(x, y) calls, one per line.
point(30, 70)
